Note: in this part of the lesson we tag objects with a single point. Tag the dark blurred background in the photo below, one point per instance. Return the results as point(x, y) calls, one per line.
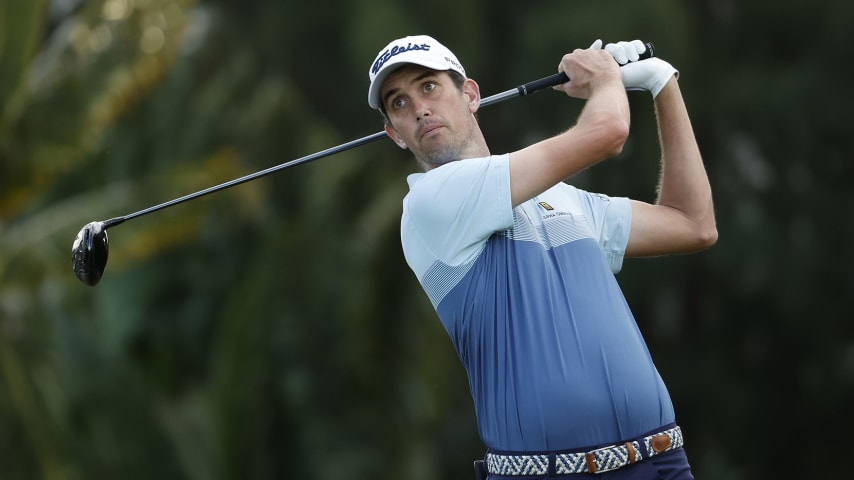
point(273, 330)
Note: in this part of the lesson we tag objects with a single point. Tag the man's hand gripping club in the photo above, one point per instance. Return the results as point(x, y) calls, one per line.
point(651, 74)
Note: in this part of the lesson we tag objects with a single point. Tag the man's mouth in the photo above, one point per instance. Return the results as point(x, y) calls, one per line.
point(427, 130)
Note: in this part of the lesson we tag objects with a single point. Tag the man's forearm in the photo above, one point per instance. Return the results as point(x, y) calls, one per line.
point(684, 184)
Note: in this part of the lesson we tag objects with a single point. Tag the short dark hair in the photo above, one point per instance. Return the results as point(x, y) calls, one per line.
point(456, 77)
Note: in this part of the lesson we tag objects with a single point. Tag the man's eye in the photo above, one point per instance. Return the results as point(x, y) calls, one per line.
point(429, 87)
point(398, 103)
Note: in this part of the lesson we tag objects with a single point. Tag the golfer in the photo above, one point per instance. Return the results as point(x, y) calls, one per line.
point(520, 265)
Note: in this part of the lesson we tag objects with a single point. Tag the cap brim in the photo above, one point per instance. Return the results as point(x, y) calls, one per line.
point(376, 86)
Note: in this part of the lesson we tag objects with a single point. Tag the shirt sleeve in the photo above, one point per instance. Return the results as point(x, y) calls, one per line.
point(611, 218)
point(451, 211)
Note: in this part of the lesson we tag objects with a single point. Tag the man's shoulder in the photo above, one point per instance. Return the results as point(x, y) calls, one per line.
point(455, 176)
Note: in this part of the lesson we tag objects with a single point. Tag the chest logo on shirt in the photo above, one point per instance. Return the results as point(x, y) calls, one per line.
point(546, 206)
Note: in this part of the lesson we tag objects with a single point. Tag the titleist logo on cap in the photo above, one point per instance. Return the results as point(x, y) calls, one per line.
point(420, 50)
point(396, 50)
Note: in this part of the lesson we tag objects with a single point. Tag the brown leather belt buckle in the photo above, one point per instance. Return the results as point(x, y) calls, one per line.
point(593, 466)
point(591, 462)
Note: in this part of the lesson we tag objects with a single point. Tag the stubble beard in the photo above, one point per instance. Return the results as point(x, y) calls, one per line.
point(441, 155)
point(450, 150)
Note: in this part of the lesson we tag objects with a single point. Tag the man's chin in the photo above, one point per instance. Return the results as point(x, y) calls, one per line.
point(441, 156)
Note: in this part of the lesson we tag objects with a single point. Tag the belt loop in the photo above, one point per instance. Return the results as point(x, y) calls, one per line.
point(552, 465)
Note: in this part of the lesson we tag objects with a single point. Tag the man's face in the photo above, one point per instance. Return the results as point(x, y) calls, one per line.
point(429, 114)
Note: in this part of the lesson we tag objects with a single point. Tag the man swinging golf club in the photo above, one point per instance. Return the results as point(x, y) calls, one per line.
point(90, 249)
point(520, 266)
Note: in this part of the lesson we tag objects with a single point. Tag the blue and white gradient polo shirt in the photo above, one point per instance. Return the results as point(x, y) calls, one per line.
point(528, 296)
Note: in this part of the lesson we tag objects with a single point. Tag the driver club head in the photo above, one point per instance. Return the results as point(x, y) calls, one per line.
point(89, 253)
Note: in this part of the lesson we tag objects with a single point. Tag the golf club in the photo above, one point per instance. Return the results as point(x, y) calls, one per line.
point(90, 249)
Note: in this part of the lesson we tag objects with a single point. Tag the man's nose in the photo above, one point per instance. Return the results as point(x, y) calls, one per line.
point(422, 110)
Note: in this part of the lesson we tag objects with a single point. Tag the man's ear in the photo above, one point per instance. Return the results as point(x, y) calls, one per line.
point(392, 134)
point(472, 90)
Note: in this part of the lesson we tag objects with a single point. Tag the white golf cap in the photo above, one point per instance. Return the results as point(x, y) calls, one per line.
point(421, 50)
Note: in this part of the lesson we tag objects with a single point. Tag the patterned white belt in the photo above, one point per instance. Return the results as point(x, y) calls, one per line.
point(595, 461)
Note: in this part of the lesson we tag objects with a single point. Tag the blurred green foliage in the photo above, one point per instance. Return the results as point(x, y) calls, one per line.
point(274, 331)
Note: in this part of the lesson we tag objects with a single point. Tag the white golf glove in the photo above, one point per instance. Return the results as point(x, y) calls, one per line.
point(650, 74)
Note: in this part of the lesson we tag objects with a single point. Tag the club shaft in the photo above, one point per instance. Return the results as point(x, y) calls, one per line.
point(515, 92)
point(521, 90)
point(237, 181)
